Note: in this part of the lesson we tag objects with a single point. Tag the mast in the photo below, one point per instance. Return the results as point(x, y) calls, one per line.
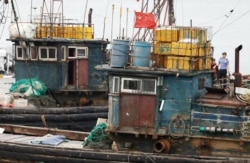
point(163, 11)
point(171, 18)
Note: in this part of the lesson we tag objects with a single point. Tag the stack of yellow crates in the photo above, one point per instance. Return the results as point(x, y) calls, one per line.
point(75, 31)
point(182, 48)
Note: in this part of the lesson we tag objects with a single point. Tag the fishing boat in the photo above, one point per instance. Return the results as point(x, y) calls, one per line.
point(165, 100)
point(57, 84)
point(163, 107)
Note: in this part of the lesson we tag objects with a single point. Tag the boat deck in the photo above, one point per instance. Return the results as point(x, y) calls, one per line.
point(18, 148)
point(26, 139)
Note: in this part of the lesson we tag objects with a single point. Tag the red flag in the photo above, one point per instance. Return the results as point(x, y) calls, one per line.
point(144, 20)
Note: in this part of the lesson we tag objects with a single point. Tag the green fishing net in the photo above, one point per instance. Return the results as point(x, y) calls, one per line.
point(29, 87)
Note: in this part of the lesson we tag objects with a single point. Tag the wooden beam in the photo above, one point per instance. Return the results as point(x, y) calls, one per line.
point(40, 131)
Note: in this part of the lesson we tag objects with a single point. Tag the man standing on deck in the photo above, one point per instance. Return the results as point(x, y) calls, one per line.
point(223, 69)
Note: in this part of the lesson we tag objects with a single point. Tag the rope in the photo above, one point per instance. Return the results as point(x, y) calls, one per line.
point(97, 135)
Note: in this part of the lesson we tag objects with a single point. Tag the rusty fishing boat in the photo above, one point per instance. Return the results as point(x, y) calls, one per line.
point(56, 84)
point(163, 106)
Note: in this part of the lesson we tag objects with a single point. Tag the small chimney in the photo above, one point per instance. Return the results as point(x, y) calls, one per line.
point(237, 74)
point(90, 17)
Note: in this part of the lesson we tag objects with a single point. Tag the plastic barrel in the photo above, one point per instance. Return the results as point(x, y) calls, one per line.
point(141, 54)
point(119, 53)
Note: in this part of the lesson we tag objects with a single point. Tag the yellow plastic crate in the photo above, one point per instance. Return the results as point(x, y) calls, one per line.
point(170, 62)
point(180, 63)
point(205, 49)
point(203, 63)
point(189, 49)
point(162, 48)
point(187, 63)
point(73, 32)
point(184, 49)
point(195, 34)
point(208, 63)
point(167, 34)
point(158, 60)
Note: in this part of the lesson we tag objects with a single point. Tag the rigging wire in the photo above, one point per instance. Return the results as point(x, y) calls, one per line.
point(227, 17)
point(26, 63)
point(6, 12)
point(238, 18)
point(2, 13)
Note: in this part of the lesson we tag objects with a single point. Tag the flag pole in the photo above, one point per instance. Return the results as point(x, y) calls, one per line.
point(104, 27)
point(127, 25)
point(120, 21)
point(113, 7)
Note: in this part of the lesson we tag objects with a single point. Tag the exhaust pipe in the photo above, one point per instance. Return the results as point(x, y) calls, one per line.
point(162, 145)
point(90, 17)
point(237, 74)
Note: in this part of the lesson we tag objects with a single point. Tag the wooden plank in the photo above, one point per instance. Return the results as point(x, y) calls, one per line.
point(16, 138)
point(38, 131)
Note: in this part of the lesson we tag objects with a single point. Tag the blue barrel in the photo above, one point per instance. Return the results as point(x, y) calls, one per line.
point(119, 53)
point(141, 54)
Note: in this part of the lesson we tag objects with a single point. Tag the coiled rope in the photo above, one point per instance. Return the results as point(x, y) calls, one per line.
point(97, 135)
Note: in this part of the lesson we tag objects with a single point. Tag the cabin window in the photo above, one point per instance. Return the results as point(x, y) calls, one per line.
point(148, 85)
point(116, 84)
point(63, 53)
point(133, 85)
point(47, 53)
point(33, 53)
point(22, 53)
point(78, 52)
point(137, 85)
point(81, 52)
point(201, 83)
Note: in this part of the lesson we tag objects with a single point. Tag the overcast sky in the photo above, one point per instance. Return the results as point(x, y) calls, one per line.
point(229, 19)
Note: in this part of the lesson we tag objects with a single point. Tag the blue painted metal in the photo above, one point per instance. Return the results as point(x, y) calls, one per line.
point(119, 54)
point(96, 57)
point(51, 73)
point(179, 112)
point(114, 116)
point(141, 53)
point(54, 73)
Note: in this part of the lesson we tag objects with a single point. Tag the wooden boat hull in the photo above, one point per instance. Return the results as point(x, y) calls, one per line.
point(17, 147)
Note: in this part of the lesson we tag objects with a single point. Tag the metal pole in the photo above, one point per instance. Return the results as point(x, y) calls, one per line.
point(127, 25)
point(120, 21)
point(31, 11)
point(113, 7)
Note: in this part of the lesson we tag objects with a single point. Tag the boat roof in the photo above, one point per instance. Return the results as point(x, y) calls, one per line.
point(59, 40)
point(150, 71)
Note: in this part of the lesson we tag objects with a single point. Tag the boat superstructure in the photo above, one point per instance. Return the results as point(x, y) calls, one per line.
point(58, 57)
point(61, 53)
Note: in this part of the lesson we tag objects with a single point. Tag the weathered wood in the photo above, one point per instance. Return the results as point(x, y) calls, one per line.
point(37, 131)
point(45, 158)
point(57, 154)
point(84, 126)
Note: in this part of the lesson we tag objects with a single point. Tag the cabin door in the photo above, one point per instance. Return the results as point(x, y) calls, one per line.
point(137, 110)
point(77, 69)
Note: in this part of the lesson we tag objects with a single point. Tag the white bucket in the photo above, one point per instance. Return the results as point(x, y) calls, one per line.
point(20, 102)
point(5, 99)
